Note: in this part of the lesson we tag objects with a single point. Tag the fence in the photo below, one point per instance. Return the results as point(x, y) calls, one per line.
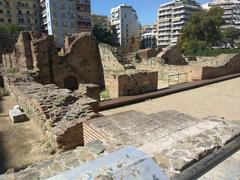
point(173, 78)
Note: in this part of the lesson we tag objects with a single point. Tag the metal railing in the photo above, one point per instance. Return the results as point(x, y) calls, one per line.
point(173, 78)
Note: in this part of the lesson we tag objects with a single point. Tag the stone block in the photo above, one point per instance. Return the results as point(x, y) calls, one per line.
point(127, 163)
point(17, 116)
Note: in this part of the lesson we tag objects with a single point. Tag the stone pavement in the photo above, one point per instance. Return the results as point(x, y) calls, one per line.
point(175, 140)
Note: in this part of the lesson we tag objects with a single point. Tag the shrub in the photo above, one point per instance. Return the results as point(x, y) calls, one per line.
point(13, 71)
point(105, 95)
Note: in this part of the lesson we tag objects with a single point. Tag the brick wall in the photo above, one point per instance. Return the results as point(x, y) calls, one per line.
point(58, 112)
point(131, 83)
point(149, 53)
point(38, 53)
point(137, 83)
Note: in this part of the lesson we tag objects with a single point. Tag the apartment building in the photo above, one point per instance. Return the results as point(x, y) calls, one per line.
point(23, 13)
point(172, 17)
point(100, 19)
point(65, 17)
point(125, 27)
point(148, 36)
point(231, 14)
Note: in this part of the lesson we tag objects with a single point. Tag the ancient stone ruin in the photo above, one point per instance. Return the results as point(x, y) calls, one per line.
point(132, 83)
point(37, 52)
point(35, 74)
point(59, 90)
point(172, 56)
point(59, 112)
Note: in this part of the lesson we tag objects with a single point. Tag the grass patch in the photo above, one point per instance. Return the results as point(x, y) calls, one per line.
point(61, 53)
point(105, 95)
point(214, 52)
point(13, 71)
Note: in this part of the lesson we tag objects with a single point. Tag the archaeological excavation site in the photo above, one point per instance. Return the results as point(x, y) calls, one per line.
point(89, 110)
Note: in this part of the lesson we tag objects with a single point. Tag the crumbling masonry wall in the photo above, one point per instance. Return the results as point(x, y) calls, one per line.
point(132, 83)
point(149, 53)
point(230, 67)
point(81, 60)
point(111, 57)
point(59, 112)
point(37, 52)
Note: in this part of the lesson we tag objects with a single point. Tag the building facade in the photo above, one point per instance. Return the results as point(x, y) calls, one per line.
point(104, 21)
point(148, 36)
point(23, 13)
point(231, 14)
point(172, 17)
point(125, 27)
point(65, 17)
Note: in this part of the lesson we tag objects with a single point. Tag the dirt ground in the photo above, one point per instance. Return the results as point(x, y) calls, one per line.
point(20, 144)
point(220, 99)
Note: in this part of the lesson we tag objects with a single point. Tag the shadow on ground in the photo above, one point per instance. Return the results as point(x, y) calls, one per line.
point(3, 167)
point(1, 109)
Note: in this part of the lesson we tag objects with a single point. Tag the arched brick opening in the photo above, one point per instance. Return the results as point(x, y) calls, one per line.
point(71, 83)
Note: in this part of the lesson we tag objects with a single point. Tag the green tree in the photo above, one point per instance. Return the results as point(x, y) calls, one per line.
point(202, 31)
point(102, 34)
point(10, 29)
point(230, 35)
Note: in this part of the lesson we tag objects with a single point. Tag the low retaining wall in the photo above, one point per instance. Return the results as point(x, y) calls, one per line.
point(59, 112)
point(231, 67)
point(131, 83)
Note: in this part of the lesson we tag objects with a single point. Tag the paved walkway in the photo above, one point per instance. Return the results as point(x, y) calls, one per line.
point(221, 99)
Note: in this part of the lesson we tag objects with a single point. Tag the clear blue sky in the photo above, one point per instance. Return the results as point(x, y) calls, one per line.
point(146, 9)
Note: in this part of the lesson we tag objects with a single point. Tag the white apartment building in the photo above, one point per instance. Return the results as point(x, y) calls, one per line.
point(172, 17)
point(65, 17)
point(148, 36)
point(125, 25)
point(206, 6)
point(231, 14)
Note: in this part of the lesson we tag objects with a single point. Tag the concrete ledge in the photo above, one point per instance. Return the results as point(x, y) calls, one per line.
point(127, 163)
point(127, 100)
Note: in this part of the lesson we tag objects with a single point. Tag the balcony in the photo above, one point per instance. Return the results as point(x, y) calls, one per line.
point(24, 15)
point(86, 2)
point(7, 7)
point(8, 15)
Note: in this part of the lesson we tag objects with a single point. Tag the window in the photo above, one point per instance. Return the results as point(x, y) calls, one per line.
point(9, 21)
point(1, 11)
point(21, 20)
point(1, 20)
